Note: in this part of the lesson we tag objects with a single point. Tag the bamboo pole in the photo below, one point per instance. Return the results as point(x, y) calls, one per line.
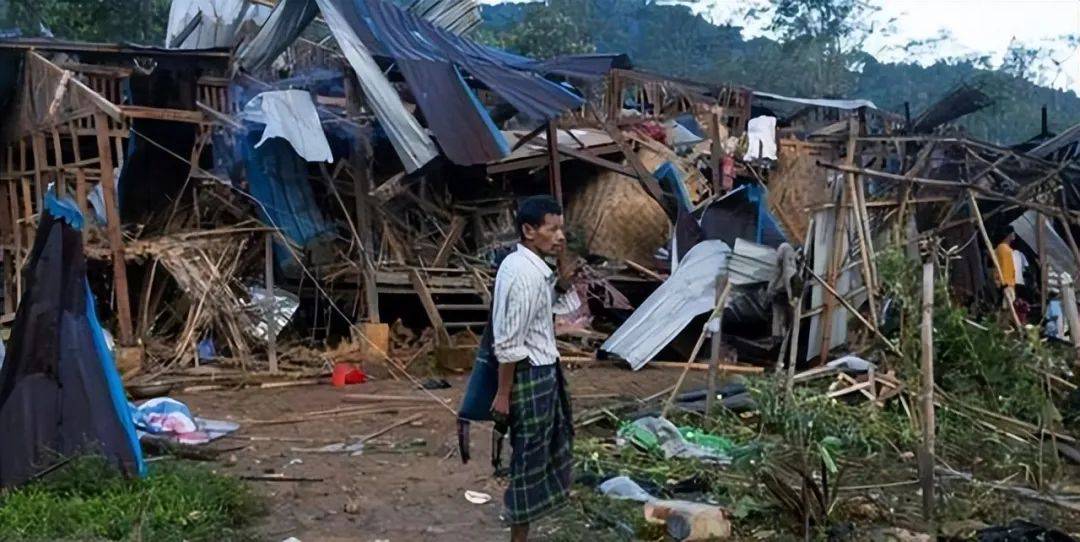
point(1068, 229)
point(847, 305)
point(718, 312)
point(837, 251)
point(926, 394)
point(714, 353)
point(271, 303)
point(1068, 301)
point(116, 241)
point(862, 224)
point(990, 248)
point(793, 346)
point(1044, 270)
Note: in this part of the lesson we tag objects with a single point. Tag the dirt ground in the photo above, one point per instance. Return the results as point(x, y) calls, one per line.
point(408, 484)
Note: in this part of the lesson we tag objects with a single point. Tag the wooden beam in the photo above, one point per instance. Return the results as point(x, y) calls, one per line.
point(974, 205)
point(926, 393)
point(158, 113)
point(986, 192)
point(836, 253)
point(529, 137)
point(554, 167)
point(651, 185)
point(457, 228)
point(862, 223)
point(592, 159)
point(80, 88)
point(271, 303)
point(1068, 300)
point(442, 336)
point(836, 295)
point(41, 163)
point(116, 242)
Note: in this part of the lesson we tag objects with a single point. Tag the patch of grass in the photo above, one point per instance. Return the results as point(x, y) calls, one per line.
point(88, 500)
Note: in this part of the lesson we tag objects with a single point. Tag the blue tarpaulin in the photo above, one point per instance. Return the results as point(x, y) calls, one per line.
point(278, 179)
point(60, 393)
point(671, 180)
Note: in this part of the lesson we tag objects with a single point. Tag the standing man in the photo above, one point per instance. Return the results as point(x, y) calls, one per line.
point(1007, 278)
point(532, 391)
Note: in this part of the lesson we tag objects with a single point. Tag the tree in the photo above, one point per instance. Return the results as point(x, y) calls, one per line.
point(544, 33)
point(141, 21)
point(827, 38)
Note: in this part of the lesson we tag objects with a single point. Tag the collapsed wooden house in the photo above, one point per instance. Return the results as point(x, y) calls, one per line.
point(211, 236)
point(196, 228)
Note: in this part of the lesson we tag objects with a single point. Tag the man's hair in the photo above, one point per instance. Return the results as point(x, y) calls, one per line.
point(532, 211)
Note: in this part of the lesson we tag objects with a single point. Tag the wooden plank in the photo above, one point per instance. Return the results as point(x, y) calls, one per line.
point(157, 113)
point(442, 336)
point(862, 224)
point(926, 393)
point(81, 192)
point(8, 256)
point(13, 206)
point(41, 163)
point(116, 242)
point(457, 228)
point(651, 185)
point(726, 367)
point(102, 103)
point(554, 167)
point(836, 254)
point(58, 156)
point(592, 159)
point(1068, 302)
point(974, 205)
point(271, 321)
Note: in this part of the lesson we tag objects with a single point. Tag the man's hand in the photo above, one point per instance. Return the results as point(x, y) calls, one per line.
point(500, 407)
point(567, 267)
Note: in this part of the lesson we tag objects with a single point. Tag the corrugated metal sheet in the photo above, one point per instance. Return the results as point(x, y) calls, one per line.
point(688, 292)
point(751, 263)
point(434, 62)
point(457, 16)
point(1057, 251)
point(220, 21)
point(410, 140)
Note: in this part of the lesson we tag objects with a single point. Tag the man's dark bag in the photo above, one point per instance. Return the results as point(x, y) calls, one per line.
point(479, 395)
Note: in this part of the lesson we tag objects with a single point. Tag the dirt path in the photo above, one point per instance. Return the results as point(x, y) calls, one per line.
point(408, 484)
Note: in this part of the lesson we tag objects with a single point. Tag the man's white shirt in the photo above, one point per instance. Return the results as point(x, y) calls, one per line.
point(523, 306)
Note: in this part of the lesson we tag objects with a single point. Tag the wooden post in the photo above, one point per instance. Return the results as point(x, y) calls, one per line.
point(1044, 262)
point(714, 352)
point(836, 253)
point(361, 173)
point(271, 302)
point(990, 248)
point(1068, 302)
point(554, 167)
point(862, 223)
point(58, 156)
point(926, 394)
point(714, 154)
point(1068, 229)
point(116, 242)
point(719, 312)
point(41, 162)
point(442, 337)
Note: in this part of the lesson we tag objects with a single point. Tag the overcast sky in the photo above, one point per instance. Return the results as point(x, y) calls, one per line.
point(983, 27)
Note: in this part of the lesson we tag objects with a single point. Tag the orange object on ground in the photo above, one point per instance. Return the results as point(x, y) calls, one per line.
point(347, 373)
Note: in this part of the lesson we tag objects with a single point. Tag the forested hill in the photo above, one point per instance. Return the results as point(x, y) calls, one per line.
point(670, 40)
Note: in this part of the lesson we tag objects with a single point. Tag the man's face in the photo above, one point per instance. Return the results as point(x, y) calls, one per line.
point(548, 238)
